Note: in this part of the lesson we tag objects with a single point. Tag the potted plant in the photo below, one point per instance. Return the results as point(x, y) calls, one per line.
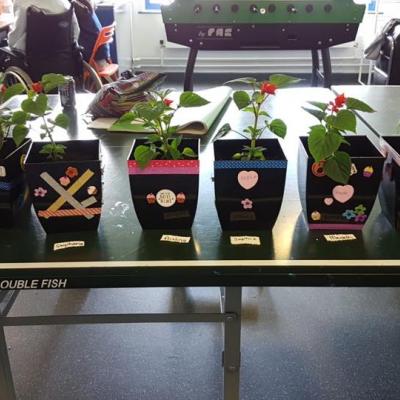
point(339, 174)
point(13, 147)
point(164, 168)
point(250, 173)
point(64, 177)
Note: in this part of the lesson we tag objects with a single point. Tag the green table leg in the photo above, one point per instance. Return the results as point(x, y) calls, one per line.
point(231, 358)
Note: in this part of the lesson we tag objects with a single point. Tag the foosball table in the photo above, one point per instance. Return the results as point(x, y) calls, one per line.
point(314, 25)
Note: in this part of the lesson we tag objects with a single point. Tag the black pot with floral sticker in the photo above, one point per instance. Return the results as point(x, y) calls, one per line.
point(250, 173)
point(389, 191)
point(66, 193)
point(248, 194)
point(334, 205)
point(165, 192)
point(338, 174)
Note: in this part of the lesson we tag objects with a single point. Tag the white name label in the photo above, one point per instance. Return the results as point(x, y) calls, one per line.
point(67, 245)
point(340, 237)
point(252, 240)
point(12, 284)
point(175, 239)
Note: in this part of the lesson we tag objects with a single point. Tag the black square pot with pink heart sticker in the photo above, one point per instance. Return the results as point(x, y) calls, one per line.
point(165, 192)
point(329, 205)
point(248, 194)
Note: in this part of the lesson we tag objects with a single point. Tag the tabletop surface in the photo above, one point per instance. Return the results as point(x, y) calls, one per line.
point(120, 248)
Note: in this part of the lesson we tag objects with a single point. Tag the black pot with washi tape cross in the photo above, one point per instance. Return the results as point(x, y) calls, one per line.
point(248, 194)
point(389, 191)
point(328, 205)
point(165, 192)
point(13, 193)
point(66, 194)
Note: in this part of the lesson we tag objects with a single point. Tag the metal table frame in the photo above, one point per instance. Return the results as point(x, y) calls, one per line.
point(317, 75)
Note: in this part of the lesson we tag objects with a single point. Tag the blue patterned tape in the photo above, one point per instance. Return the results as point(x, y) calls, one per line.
point(266, 164)
point(7, 186)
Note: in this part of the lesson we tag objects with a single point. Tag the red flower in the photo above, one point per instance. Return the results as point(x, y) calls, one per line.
point(340, 100)
point(333, 107)
point(168, 102)
point(3, 88)
point(268, 88)
point(37, 87)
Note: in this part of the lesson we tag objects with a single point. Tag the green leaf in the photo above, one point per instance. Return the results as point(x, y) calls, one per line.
point(223, 131)
point(338, 167)
point(62, 120)
point(280, 80)
point(248, 109)
point(246, 80)
point(175, 153)
point(355, 104)
point(13, 90)
point(19, 117)
point(264, 113)
point(278, 127)
point(52, 81)
point(188, 152)
point(36, 106)
point(320, 115)
point(322, 144)
point(345, 120)
point(153, 138)
point(143, 155)
point(318, 104)
point(241, 99)
point(54, 151)
point(258, 97)
point(127, 117)
point(190, 99)
point(19, 133)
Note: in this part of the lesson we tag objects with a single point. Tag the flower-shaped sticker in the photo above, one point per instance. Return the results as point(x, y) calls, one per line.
point(64, 181)
point(40, 192)
point(349, 214)
point(71, 172)
point(360, 218)
point(247, 204)
point(360, 209)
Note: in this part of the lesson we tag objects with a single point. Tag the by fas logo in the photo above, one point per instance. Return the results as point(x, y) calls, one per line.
point(216, 32)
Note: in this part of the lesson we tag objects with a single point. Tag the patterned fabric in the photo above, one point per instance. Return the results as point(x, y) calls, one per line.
point(7, 186)
point(266, 164)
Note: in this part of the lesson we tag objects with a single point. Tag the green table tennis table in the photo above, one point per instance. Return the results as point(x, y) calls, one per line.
point(121, 254)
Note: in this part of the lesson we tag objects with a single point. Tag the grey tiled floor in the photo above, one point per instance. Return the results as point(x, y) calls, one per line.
point(297, 344)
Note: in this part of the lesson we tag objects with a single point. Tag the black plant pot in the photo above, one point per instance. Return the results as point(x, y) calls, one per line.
point(165, 193)
point(66, 194)
point(248, 194)
point(389, 191)
point(330, 205)
point(13, 195)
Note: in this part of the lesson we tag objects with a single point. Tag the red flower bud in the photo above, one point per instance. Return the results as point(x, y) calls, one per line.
point(268, 88)
point(340, 100)
point(37, 87)
point(168, 102)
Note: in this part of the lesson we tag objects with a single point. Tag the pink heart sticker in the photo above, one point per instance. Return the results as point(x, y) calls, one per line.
point(328, 201)
point(343, 193)
point(247, 179)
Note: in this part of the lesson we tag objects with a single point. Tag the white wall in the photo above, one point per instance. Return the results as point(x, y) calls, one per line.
point(141, 43)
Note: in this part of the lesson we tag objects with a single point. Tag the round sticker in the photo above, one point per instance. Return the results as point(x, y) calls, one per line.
point(166, 198)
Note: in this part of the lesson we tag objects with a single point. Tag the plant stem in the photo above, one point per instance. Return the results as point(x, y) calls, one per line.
point(50, 136)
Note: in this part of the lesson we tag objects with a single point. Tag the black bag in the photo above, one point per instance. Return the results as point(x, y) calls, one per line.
point(50, 46)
